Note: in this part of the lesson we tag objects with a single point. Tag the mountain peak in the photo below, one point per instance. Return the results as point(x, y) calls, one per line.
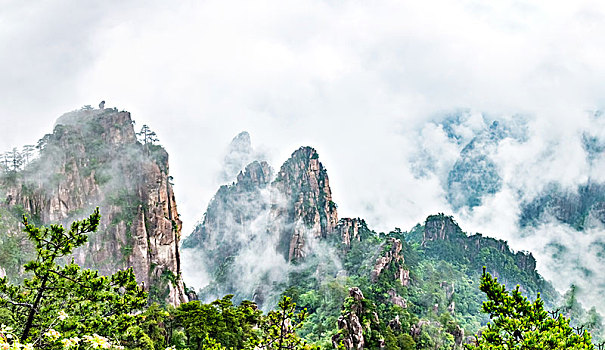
point(241, 143)
point(95, 159)
point(239, 153)
point(308, 201)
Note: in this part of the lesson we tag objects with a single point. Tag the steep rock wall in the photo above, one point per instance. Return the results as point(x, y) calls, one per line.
point(299, 204)
point(91, 159)
point(307, 205)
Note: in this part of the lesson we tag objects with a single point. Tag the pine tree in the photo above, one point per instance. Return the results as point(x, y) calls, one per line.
point(96, 304)
point(517, 323)
point(279, 327)
point(27, 152)
point(16, 159)
point(147, 136)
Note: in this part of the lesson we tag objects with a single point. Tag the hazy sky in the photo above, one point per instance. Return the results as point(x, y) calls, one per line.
point(357, 80)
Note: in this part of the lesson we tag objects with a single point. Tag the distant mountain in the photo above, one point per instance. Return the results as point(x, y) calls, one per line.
point(475, 175)
point(579, 208)
point(546, 188)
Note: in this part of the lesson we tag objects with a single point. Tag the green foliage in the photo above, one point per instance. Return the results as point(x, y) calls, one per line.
point(14, 250)
point(517, 323)
point(401, 341)
point(231, 326)
point(279, 327)
point(323, 305)
point(100, 304)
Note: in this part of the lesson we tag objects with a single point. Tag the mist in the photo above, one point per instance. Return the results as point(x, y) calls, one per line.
point(366, 84)
point(240, 248)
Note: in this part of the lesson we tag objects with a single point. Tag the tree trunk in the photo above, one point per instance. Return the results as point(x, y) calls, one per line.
point(34, 309)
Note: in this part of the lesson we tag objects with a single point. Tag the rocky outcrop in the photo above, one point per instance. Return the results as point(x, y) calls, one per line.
point(280, 219)
point(395, 323)
point(356, 321)
point(458, 334)
point(299, 205)
point(391, 256)
point(441, 235)
point(451, 308)
point(448, 288)
point(354, 338)
point(397, 299)
point(416, 329)
point(349, 230)
point(91, 159)
point(404, 276)
point(443, 228)
point(306, 209)
point(440, 227)
point(233, 209)
point(525, 261)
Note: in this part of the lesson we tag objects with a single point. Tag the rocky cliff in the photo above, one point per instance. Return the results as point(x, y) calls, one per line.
point(93, 158)
point(233, 232)
point(279, 219)
point(391, 259)
point(298, 202)
point(233, 208)
point(351, 229)
point(356, 323)
point(306, 202)
point(440, 227)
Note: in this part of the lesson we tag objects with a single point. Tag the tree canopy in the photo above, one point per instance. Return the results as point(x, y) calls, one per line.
point(84, 301)
point(517, 323)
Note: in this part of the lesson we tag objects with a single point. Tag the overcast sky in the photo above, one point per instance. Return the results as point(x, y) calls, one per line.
point(354, 79)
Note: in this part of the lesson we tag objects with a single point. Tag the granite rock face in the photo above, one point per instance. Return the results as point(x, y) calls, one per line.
point(279, 218)
point(298, 202)
point(391, 259)
point(351, 335)
point(349, 230)
point(306, 207)
point(93, 158)
point(436, 230)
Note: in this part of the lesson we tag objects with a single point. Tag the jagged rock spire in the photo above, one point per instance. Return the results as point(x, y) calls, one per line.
point(308, 205)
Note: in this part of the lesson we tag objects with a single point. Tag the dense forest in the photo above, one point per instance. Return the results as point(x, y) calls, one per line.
point(64, 306)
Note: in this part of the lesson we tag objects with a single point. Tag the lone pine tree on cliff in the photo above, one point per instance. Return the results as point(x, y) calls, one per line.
point(147, 136)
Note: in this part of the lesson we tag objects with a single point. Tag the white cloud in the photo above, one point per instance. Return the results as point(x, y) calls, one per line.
point(356, 80)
